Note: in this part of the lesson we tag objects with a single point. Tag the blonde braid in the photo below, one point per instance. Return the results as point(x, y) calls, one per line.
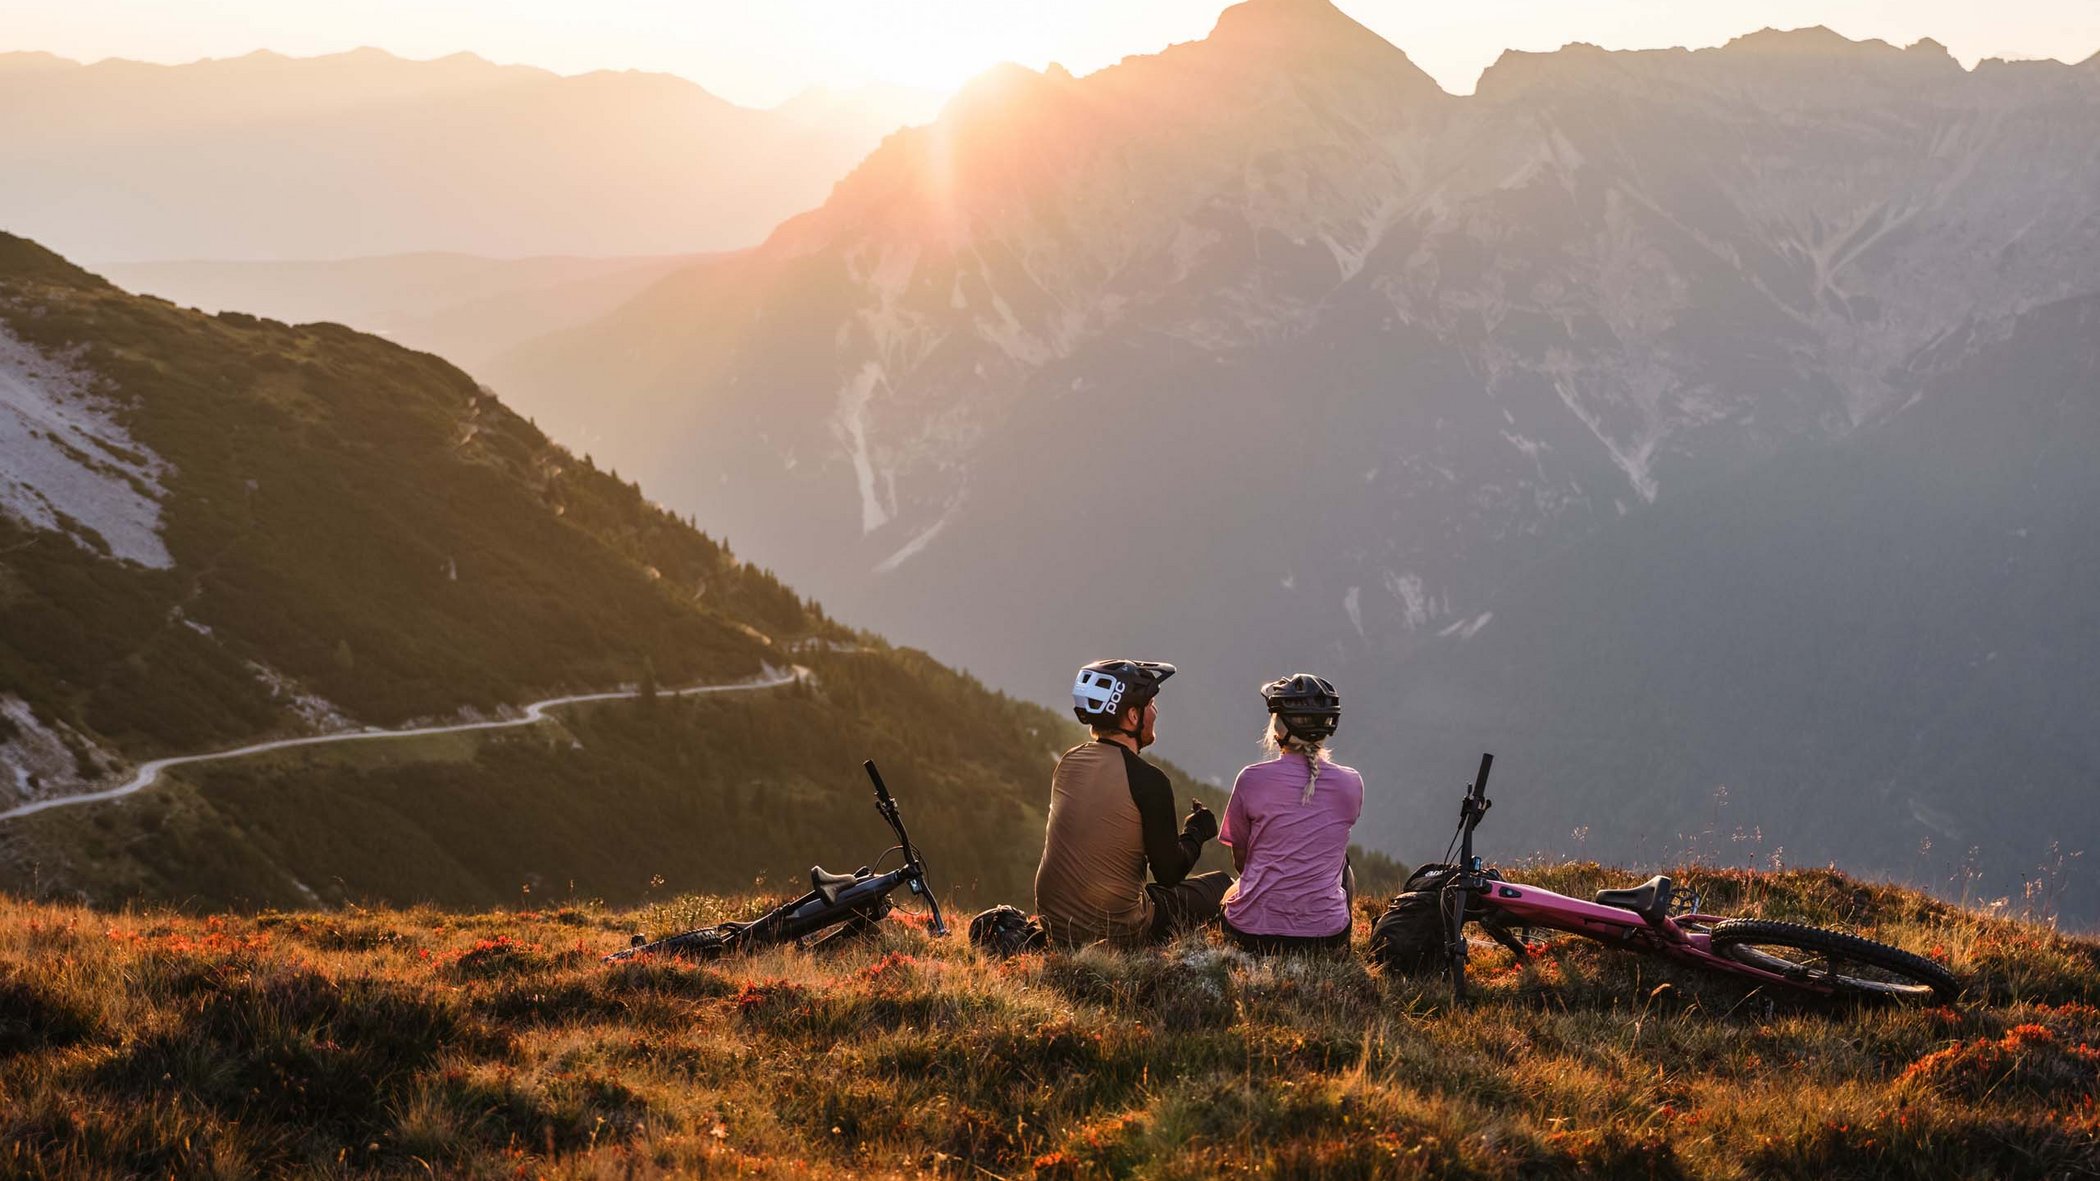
point(1277, 738)
point(1312, 767)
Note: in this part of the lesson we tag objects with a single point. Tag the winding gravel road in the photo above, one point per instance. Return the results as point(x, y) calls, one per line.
point(148, 772)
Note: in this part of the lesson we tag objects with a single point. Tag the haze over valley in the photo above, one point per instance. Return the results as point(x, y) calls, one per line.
point(268, 157)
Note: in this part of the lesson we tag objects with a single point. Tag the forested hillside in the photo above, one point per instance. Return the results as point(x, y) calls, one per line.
point(328, 511)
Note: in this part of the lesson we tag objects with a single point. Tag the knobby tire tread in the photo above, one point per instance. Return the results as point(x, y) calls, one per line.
point(1729, 932)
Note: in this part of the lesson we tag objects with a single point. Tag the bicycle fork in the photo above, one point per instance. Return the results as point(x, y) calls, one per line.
point(1453, 900)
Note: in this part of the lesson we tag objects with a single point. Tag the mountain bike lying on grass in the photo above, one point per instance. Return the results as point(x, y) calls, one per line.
point(852, 902)
point(1427, 923)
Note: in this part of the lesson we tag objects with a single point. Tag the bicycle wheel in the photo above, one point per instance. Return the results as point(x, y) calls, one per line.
point(1847, 964)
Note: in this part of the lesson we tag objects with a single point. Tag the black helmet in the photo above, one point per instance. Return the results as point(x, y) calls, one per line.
point(1308, 705)
point(1004, 931)
point(1105, 688)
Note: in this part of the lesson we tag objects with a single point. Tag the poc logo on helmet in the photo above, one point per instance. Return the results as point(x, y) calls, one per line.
point(1097, 692)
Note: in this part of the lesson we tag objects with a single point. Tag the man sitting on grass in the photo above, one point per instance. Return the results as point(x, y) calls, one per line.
point(1112, 816)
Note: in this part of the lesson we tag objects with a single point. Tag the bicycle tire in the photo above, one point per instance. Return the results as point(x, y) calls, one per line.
point(1919, 979)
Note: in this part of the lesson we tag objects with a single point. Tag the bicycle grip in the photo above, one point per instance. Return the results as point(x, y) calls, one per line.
point(1480, 781)
point(882, 791)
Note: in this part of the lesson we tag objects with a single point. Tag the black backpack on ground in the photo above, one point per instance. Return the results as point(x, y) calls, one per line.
point(1409, 936)
point(1004, 931)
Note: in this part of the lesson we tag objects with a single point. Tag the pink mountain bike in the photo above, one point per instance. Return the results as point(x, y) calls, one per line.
point(1660, 918)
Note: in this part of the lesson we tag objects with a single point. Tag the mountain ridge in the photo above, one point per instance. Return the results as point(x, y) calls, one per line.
point(365, 153)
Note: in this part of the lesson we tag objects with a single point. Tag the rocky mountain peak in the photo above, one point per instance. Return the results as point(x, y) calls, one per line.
point(1296, 20)
point(1020, 151)
point(1812, 41)
point(1789, 67)
point(1830, 56)
point(1006, 90)
point(1577, 63)
point(1299, 33)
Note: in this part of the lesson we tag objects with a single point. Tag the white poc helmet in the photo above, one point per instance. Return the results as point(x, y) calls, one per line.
point(1105, 688)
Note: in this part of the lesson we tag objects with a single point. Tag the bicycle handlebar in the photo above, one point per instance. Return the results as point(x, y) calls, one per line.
point(1475, 803)
point(887, 806)
point(882, 791)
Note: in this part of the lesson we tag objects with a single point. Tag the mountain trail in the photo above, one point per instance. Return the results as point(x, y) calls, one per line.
point(149, 772)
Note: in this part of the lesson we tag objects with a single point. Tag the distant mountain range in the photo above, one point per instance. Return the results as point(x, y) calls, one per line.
point(364, 153)
point(1626, 415)
point(465, 308)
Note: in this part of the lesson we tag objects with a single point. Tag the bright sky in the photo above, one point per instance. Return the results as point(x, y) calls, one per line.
point(760, 52)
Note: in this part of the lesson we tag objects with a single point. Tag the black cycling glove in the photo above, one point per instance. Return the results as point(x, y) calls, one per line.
point(1202, 824)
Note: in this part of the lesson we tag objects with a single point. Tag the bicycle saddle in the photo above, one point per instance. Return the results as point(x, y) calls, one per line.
point(1650, 899)
point(828, 884)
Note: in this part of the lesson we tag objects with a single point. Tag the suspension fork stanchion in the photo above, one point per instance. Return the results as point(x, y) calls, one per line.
point(1453, 901)
point(940, 925)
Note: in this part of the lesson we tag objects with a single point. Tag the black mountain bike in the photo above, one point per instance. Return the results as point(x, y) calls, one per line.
point(851, 902)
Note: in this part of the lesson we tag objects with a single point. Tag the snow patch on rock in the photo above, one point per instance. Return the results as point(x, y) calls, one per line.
point(316, 713)
point(1631, 458)
point(68, 466)
point(38, 761)
point(1465, 628)
point(851, 425)
point(910, 548)
point(1413, 596)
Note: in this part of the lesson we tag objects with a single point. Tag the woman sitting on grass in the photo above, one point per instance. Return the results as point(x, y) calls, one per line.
point(1288, 825)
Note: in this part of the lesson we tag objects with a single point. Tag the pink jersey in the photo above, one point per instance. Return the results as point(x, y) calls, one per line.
point(1292, 882)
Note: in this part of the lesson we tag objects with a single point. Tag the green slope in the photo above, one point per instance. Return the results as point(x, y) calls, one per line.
point(361, 518)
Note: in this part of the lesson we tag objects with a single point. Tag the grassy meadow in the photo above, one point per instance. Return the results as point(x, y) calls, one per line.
point(425, 1042)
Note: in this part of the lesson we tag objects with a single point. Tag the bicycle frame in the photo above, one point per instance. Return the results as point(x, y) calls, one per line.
point(814, 911)
point(832, 902)
point(1674, 937)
